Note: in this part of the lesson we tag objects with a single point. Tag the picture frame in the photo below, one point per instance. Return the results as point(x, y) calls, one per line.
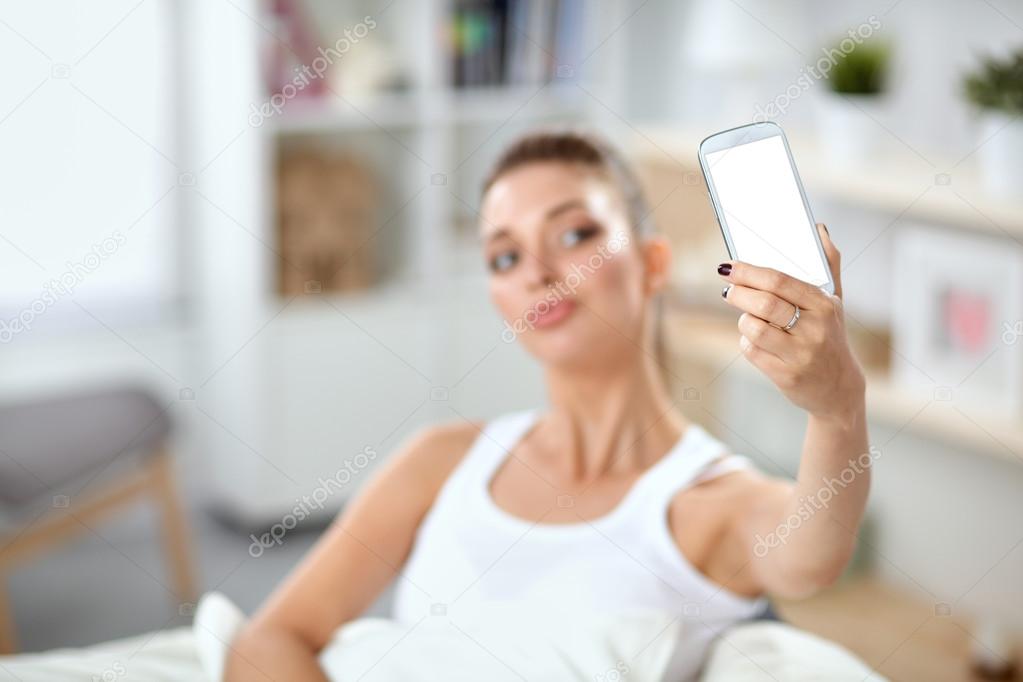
point(958, 317)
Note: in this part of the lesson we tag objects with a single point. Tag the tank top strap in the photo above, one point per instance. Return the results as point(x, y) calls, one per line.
point(686, 463)
point(724, 466)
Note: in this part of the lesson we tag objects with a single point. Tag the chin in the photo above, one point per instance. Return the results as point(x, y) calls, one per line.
point(578, 342)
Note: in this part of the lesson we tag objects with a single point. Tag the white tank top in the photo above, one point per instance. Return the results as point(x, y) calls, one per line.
point(470, 552)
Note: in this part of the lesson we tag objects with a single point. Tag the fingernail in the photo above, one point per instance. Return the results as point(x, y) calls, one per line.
point(724, 268)
point(724, 292)
point(826, 229)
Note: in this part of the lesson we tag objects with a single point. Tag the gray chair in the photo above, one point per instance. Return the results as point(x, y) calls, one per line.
point(114, 436)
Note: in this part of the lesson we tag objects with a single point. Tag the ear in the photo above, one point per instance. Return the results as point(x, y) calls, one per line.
point(657, 257)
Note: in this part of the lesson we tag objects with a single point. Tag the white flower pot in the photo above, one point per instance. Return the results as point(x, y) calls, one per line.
point(1000, 155)
point(847, 126)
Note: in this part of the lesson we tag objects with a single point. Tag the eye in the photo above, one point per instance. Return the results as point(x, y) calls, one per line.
point(503, 261)
point(579, 234)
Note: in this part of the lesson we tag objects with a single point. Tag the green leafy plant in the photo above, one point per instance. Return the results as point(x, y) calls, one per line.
point(997, 84)
point(861, 71)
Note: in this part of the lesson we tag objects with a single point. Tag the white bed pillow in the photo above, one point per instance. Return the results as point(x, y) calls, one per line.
point(162, 656)
point(768, 651)
point(505, 643)
point(217, 621)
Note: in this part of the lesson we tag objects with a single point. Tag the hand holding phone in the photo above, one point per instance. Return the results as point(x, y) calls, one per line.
point(784, 273)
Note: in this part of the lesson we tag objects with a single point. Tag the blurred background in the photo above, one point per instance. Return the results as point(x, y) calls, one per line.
point(239, 265)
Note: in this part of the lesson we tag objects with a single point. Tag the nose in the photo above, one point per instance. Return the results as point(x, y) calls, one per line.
point(540, 272)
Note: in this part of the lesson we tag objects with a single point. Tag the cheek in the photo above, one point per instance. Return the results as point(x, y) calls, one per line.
point(617, 281)
point(505, 297)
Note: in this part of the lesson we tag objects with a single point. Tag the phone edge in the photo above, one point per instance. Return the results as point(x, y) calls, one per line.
point(829, 285)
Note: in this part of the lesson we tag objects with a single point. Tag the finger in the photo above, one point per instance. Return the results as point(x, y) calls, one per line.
point(763, 335)
point(797, 292)
point(764, 360)
point(763, 304)
point(834, 257)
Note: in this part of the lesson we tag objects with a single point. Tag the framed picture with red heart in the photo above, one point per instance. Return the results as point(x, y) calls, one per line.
point(957, 326)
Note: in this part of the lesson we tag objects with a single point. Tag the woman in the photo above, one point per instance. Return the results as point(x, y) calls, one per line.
point(610, 496)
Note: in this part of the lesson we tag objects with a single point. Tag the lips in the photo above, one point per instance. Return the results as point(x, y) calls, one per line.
point(551, 314)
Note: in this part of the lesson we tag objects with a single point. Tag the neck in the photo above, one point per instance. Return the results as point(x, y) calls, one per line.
point(615, 420)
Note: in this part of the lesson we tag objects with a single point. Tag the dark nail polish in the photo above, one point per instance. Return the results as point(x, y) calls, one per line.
point(724, 268)
point(724, 292)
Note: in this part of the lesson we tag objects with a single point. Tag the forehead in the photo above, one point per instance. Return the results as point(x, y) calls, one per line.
point(526, 194)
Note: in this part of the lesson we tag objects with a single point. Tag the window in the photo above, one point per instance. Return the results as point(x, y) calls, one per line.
point(88, 175)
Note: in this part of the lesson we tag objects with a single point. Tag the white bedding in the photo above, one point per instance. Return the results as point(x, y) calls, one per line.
point(552, 647)
point(155, 657)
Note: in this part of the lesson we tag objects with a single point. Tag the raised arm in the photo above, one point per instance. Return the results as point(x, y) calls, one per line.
point(800, 536)
point(357, 557)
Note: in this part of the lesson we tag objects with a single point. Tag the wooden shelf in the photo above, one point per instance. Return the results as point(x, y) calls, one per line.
point(894, 630)
point(331, 114)
point(497, 104)
point(712, 341)
point(932, 188)
point(409, 110)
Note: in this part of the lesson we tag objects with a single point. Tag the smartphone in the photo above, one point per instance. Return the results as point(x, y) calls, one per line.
point(760, 203)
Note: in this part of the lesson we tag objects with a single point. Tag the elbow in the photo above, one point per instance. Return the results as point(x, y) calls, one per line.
point(801, 581)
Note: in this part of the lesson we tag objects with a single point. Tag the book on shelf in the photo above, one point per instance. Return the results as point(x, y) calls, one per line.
point(293, 46)
point(515, 42)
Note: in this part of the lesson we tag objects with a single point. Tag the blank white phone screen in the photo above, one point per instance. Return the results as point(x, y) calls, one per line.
point(762, 206)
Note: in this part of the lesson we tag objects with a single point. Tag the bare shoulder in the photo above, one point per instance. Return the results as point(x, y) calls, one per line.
point(432, 453)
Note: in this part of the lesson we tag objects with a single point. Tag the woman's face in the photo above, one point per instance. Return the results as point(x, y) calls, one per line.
point(566, 271)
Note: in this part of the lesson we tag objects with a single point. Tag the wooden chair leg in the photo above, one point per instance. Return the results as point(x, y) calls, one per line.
point(52, 530)
point(177, 546)
point(8, 642)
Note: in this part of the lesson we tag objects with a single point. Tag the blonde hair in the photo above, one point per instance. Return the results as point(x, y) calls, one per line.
point(584, 149)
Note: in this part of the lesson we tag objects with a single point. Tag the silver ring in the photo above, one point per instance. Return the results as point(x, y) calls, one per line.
point(792, 322)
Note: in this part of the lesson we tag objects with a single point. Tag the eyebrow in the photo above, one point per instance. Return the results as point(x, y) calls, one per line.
point(552, 213)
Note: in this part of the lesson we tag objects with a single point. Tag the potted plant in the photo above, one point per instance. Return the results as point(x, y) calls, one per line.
point(996, 89)
point(856, 85)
